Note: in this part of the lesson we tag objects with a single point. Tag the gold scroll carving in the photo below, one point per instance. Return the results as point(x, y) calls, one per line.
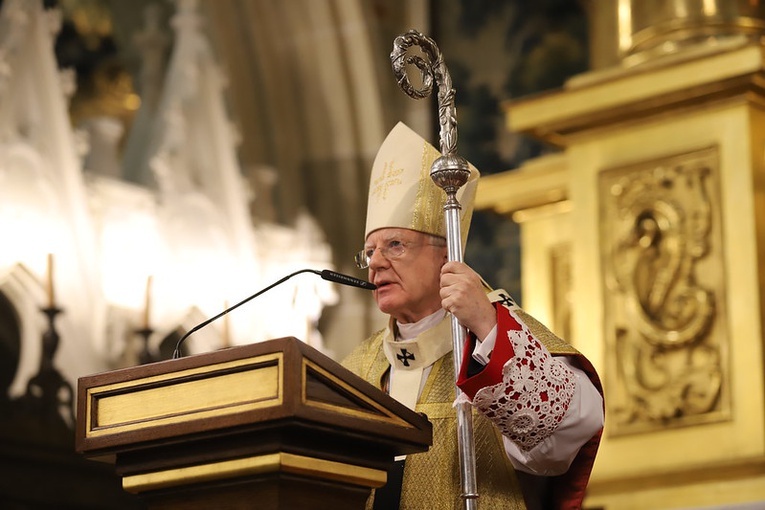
point(664, 292)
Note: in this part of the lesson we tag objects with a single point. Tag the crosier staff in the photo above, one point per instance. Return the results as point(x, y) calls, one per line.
point(450, 172)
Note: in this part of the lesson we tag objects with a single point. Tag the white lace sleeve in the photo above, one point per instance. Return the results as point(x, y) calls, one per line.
point(554, 455)
point(533, 396)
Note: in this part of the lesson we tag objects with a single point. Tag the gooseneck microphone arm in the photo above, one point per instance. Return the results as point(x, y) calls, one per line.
point(326, 274)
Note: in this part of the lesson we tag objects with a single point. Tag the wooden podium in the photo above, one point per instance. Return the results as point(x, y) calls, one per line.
point(272, 425)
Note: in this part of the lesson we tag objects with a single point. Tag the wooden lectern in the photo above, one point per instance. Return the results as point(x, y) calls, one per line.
point(272, 425)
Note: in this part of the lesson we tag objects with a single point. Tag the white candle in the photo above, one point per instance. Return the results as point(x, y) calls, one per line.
point(226, 327)
point(49, 283)
point(147, 304)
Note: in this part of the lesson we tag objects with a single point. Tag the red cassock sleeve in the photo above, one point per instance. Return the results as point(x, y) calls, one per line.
point(526, 392)
point(503, 351)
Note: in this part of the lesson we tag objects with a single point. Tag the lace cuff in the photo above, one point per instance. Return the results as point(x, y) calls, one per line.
point(532, 398)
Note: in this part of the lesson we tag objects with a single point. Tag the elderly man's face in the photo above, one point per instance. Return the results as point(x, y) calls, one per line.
point(407, 283)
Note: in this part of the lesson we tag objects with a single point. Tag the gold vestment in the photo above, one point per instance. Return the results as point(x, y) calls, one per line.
point(432, 478)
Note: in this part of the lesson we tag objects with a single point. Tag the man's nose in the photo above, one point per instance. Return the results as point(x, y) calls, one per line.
point(377, 260)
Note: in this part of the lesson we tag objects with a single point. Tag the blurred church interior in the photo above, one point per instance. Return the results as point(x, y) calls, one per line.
point(162, 160)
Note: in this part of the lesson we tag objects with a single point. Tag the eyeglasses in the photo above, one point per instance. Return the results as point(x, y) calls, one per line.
point(394, 249)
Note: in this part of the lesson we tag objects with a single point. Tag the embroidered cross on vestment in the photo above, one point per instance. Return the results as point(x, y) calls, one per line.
point(404, 357)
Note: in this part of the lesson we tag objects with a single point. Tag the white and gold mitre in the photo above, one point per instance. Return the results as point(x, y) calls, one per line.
point(401, 192)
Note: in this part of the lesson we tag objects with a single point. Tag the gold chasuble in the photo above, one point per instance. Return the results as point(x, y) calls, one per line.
point(432, 478)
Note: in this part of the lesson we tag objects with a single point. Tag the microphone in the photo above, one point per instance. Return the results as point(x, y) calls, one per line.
point(345, 279)
point(326, 274)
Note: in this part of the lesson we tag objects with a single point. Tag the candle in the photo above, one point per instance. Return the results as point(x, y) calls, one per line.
point(147, 303)
point(226, 326)
point(49, 284)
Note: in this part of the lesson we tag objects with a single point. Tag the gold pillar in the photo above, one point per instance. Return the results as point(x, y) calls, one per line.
point(644, 243)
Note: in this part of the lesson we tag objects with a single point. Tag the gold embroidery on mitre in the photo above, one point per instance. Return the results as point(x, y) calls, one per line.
point(390, 177)
point(428, 215)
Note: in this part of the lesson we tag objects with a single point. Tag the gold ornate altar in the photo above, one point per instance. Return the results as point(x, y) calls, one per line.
point(643, 242)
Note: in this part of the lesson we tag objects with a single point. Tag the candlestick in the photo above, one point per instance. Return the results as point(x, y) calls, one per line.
point(49, 283)
point(145, 355)
point(147, 303)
